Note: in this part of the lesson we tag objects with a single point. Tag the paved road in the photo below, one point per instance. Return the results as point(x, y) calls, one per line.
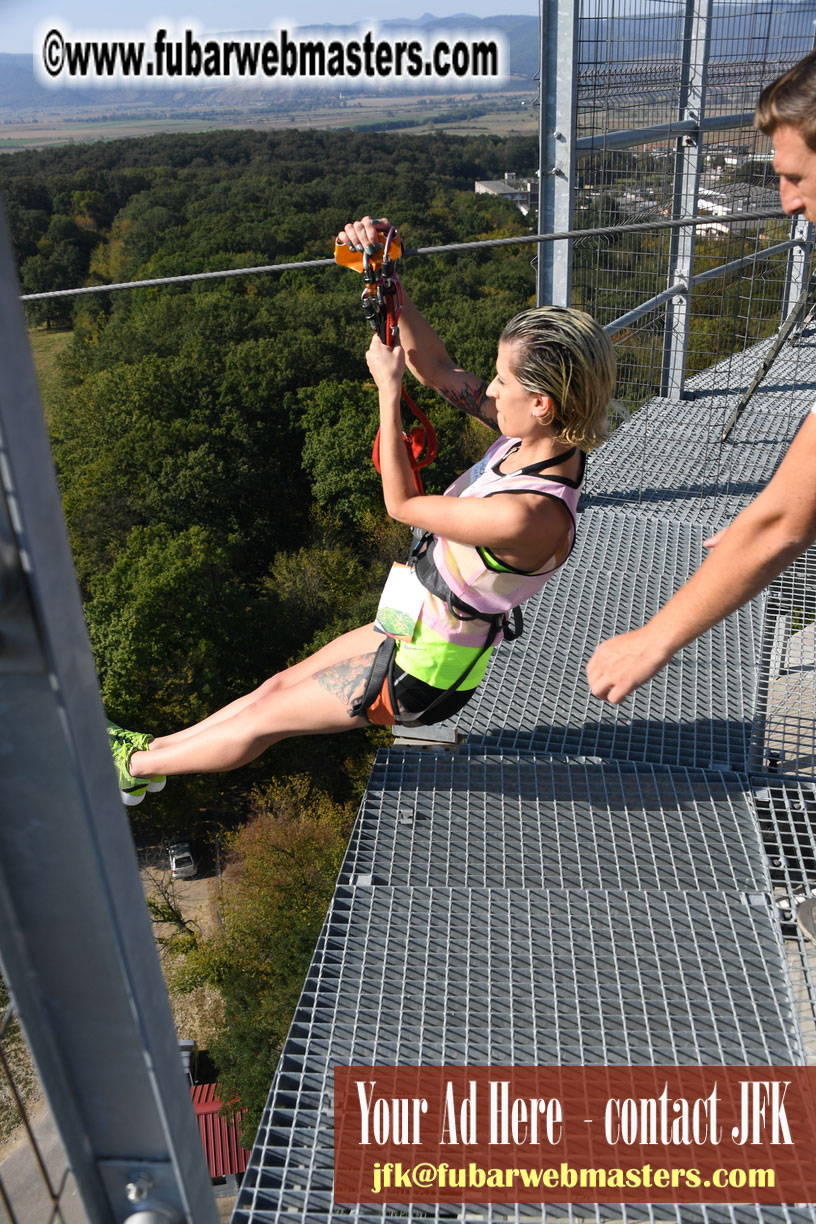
point(23, 1184)
point(25, 1187)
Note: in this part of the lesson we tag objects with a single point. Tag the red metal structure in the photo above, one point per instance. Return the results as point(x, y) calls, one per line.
point(220, 1136)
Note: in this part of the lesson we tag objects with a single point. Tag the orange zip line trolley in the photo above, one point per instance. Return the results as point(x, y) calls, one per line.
point(382, 305)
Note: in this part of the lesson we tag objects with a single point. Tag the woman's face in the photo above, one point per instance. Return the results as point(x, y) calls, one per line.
point(514, 405)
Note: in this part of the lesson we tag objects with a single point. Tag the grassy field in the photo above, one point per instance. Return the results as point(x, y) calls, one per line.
point(508, 113)
point(47, 347)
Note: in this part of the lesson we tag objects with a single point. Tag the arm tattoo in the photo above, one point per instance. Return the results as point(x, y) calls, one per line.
point(470, 398)
point(347, 679)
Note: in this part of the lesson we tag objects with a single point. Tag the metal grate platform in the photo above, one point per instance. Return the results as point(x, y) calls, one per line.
point(319, 1208)
point(668, 459)
point(786, 818)
point(572, 977)
point(697, 712)
point(440, 820)
point(784, 739)
point(793, 370)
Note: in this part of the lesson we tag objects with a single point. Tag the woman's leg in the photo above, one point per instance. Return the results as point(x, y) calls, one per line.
point(316, 701)
point(357, 641)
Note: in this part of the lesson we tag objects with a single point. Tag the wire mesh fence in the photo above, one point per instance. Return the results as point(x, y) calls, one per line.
point(35, 1181)
point(638, 70)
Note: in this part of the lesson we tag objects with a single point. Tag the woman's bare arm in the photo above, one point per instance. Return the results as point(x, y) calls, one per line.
point(522, 527)
point(425, 354)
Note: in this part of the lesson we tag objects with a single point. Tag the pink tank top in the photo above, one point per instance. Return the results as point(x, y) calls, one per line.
point(465, 570)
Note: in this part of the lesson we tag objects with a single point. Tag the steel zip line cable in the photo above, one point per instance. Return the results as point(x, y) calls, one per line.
point(635, 228)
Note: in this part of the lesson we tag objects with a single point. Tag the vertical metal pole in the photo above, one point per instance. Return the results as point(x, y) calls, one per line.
point(688, 161)
point(798, 261)
point(556, 147)
point(76, 944)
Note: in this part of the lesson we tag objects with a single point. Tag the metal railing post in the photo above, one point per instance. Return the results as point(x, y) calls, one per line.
point(688, 161)
point(798, 260)
point(76, 944)
point(556, 154)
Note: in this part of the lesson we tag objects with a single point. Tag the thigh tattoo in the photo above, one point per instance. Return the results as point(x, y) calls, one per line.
point(346, 680)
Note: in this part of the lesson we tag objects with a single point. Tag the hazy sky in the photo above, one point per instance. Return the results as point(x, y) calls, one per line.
point(20, 18)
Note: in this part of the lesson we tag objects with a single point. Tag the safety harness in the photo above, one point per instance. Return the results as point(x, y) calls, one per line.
point(381, 676)
point(382, 305)
point(432, 580)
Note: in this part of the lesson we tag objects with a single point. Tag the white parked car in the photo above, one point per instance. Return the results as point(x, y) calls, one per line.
point(182, 863)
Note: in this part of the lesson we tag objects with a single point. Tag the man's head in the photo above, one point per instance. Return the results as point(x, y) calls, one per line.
point(786, 111)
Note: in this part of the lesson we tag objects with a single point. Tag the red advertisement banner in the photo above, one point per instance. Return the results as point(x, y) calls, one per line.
point(575, 1134)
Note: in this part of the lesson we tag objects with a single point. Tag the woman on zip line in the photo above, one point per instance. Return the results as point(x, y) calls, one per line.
point(491, 541)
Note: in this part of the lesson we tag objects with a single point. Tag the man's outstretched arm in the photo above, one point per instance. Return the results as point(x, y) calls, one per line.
point(761, 542)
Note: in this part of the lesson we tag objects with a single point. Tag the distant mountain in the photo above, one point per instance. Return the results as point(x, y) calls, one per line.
point(647, 38)
point(21, 92)
point(521, 33)
point(761, 33)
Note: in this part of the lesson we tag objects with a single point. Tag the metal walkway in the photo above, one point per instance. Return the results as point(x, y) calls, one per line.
point(578, 883)
point(696, 712)
point(667, 460)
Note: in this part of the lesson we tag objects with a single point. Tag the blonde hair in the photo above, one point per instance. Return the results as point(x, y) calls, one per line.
point(565, 354)
point(791, 100)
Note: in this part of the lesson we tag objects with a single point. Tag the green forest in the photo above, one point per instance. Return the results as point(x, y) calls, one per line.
point(212, 444)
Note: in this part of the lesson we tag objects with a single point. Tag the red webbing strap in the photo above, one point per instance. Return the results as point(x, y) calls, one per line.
point(420, 441)
point(422, 438)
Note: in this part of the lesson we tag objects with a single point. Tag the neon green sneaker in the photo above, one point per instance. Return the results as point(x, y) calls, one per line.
point(123, 745)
